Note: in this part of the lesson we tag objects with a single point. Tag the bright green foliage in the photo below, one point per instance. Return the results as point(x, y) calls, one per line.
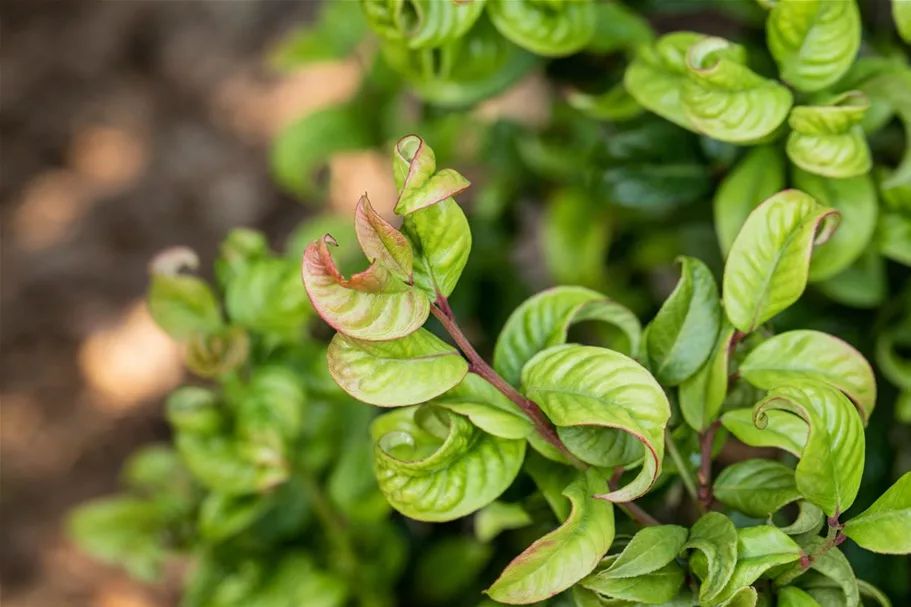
point(783, 430)
point(656, 76)
point(757, 487)
point(828, 140)
point(702, 394)
point(545, 28)
point(715, 538)
point(650, 549)
point(886, 525)
point(423, 23)
point(491, 520)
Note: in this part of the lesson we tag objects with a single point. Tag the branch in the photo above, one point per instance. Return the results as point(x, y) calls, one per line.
point(477, 365)
point(706, 440)
point(685, 474)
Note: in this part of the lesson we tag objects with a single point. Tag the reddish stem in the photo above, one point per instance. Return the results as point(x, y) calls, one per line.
point(630, 508)
point(477, 365)
point(706, 441)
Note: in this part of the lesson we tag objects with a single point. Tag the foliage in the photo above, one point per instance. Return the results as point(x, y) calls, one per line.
point(713, 453)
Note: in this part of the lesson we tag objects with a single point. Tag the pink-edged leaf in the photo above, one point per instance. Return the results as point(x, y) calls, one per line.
point(381, 242)
point(417, 179)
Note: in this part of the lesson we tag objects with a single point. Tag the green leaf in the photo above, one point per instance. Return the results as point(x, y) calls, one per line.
point(381, 242)
point(448, 568)
point(862, 284)
point(492, 520)
point(757, 487)
point(302, 148)
point(894, 88)
point(442, 241)
point(759, 549)
point(337, 30)
point(445, 474)
point(222, 516)
point(371, 305)
point(266, 296)
point(551, 30)
point(182, 305)
point(543, 320)
point(828, 139)
point(575, 237)
point(767, 268)
point(564, 556)
point(784, 430)
point(716, 538)
point(757, 177)
point(406, 371)
point(153, 468)
point(194, 409)
point(656, 75)
point(238, 249)
point(810, 519)
point(683, 334)
point(886, 525)
point(868, 590)
point(417, 179)
point(217, 353)
point(486, 407)
point(551, 479)
point(618, 28)
point(702, 395)
point(610, 394)
point(792, 596)
point(814, 42)
point(800, 354)
point(855, 199)
point(650, 549)
point(421, 23)
point(835, 573)
point(613, 105)
point(901, 13)
point(745, 597)
point(724, 99)
point(889, 345)
point(893, 237)
point(654, 588)
point(832, 461)
point(270, 413)
point(217, 463)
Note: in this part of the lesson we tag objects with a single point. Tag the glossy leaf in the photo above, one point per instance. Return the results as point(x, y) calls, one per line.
point(810, 519)
point(650, 549)
point(792, 596)
point(814, 42)
point(654, 588)
point(421, 23)
point(886, 525)
point(548, 29)
point(799, 354)
point(381, 242)
point(759, 549)
point(656, 75)
point(371, 305)
point(724, 99)
point(417, 179)
point(442, 241)
point(716, 538)
point(768, 265)
point(406, 371)
point(829, 140)
point(784, 430)
point(445, 475)
point(492, 520)
point(543, 320)
point(486, 407)
point(564, 556)
point(756, 487)
point(757, 177)
point(683, 334)
point(701, 395)
point(832, 461)
point(608, 392)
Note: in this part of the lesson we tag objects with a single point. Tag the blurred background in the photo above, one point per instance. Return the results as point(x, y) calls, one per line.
point(127, 127)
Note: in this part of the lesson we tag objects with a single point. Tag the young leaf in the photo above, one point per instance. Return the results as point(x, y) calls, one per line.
point(759, 549)
point(406, 371)
point(589, 386)
point(784, 430)
point(724, 99)
point(810, 519)
point(792, 596)
point(650, 549)
point(757, 487)
point(551, 30)
point(441, 240)
point(828, 139)
point(564, 556)
point(486, 407)
point(542, 321)
point(656, 75)
point(372, 305)
point(814, 42)
point(715, 537)
point(701, 395)
point(421, 23)
point(381, 242)
point(654, 588)
point(492, 520)
point(886, 525)
point(417, 179)
point(855, 199)
point(798, 354)
point(683, 334)
point(767, 268)
point(757, 177)
point(444, 476)
point(181, 304)
point(832, 461)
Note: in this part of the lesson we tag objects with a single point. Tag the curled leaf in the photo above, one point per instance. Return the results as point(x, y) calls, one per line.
point(715, 537)
point(419, 182)
point(784, 431)
point(759, 549)
point(486, 407)
point(442, 242)
point(829, 139)
point(656, 75)
point(421, 23)
point(564, 556)
point(441, 468)
point(814, 42)
point(545, 28)
point(405, 371)
point(381, 242)
point(610, 396)
point(832, 461)
point(767, 268)
point(372, 305)
point(214, 354)
point(798, 354)
point(724, 99)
